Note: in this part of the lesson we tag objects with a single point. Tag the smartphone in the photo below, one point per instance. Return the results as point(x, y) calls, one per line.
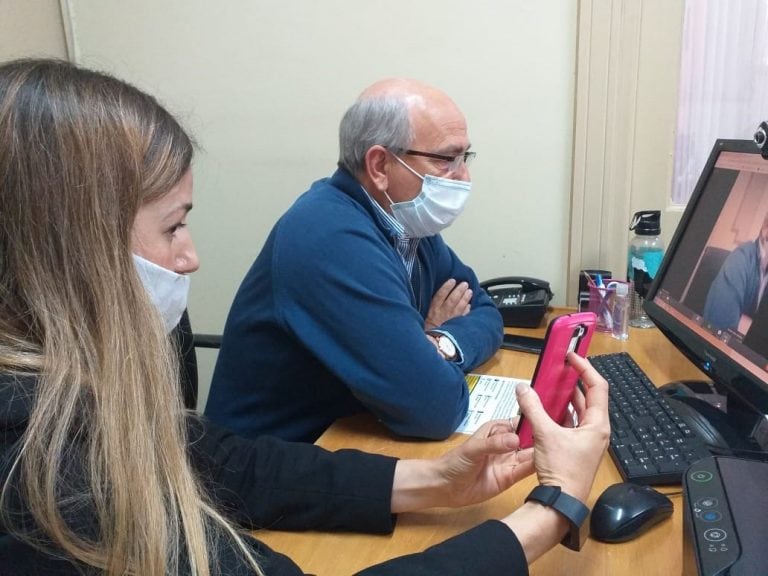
point(554, 379)
point(530, 344)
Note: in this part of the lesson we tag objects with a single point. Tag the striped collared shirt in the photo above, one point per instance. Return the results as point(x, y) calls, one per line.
point(406, 247)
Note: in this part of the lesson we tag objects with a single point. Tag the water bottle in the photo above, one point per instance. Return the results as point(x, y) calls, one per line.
point(646, 250)
point(620, 312)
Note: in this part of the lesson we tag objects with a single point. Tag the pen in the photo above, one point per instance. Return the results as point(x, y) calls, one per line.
point(590, 281)
point(603, 308)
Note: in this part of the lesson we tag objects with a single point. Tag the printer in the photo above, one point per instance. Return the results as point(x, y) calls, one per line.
point(725, 517)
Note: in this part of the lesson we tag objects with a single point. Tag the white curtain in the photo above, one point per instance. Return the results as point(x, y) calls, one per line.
point(723, 82)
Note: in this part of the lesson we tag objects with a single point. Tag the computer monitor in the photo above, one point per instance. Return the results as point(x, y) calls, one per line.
point(706, 297)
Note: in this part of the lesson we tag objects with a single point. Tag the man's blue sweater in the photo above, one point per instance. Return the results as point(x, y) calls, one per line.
point(735, 288)
point(328, 323)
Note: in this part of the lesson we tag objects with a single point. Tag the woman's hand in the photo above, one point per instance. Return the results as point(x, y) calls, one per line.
point(564, 456)
point(569, 457)
point(486, 464)
point(489, 462)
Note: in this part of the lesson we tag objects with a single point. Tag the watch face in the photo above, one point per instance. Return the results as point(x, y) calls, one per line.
point(446, 346)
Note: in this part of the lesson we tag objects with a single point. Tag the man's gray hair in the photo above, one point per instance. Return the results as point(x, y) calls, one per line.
point(382, 120)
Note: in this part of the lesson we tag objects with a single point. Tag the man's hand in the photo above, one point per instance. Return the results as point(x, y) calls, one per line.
point(450, 301)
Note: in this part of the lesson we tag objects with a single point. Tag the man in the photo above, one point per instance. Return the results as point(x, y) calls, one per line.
point(355, 301)
point(739, 285)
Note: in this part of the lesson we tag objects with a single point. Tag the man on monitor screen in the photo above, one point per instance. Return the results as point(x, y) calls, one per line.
point(739, 286)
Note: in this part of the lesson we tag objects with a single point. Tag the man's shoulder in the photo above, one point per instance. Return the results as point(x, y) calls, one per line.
point(325, 213)
point(745, 252)
point(321, 200)
point(749, 247)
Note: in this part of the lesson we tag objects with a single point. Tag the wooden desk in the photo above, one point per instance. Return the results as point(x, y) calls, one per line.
point(657, 552)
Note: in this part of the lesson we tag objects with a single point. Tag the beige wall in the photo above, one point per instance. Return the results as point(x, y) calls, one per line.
point(31, 28)
point(262, 86)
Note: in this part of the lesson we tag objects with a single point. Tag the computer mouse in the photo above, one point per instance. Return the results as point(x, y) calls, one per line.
point(625, 510)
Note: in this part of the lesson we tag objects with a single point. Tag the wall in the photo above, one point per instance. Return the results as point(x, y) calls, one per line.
point(262, 85)
point(31, 28)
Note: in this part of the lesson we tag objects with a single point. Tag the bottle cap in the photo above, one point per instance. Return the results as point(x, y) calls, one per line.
point(646, 223)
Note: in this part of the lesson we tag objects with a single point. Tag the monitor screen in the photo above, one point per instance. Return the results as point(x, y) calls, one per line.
point(707, 297)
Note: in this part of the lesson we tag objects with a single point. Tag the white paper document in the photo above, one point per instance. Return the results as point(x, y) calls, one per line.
point(490, 398)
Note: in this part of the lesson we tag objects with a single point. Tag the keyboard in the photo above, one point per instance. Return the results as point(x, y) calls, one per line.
point(650, 443)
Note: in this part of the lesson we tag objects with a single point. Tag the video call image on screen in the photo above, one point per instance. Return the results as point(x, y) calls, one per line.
point(716, 277)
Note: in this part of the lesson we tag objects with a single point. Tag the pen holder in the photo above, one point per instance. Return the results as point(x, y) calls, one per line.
point(601, 303)
point(610, 305)
point(588, 277)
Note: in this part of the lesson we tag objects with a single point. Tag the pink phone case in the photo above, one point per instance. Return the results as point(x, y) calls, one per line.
point(554, 380)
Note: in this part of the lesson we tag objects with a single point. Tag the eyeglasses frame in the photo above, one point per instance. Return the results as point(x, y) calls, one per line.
point(466, 157)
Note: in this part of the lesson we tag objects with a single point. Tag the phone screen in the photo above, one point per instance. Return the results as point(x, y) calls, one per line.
point(554, 379)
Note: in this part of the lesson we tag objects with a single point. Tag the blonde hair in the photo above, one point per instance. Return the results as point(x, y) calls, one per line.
point(80, 152)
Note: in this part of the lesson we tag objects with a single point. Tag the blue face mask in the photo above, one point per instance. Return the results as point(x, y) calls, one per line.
point(167, 290)
point(437, 206)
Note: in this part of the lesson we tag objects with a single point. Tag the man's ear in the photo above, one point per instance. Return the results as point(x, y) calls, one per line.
point(376, 167)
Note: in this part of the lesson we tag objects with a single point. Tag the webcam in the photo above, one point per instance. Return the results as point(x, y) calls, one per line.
point(761, 138)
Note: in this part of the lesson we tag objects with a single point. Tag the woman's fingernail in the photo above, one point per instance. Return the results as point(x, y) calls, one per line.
point(522, 388)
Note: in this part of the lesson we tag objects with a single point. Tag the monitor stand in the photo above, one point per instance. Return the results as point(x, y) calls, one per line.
point(724, 423)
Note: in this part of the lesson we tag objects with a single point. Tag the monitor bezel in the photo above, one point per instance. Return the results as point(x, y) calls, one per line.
point(735, 379)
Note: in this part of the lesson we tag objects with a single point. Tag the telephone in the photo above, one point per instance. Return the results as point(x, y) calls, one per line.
point(521, 300)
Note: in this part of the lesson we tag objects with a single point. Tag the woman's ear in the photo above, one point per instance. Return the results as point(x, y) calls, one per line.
point(376, 167)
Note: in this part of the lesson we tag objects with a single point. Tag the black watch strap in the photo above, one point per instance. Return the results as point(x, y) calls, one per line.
point(573, 509)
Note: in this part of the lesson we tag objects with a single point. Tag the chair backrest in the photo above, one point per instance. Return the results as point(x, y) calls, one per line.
point(187, 342)
point(711, 261)
point(187, 361)
point(207, 340)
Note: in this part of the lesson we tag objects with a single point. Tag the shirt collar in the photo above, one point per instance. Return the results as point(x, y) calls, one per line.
point(388, 219)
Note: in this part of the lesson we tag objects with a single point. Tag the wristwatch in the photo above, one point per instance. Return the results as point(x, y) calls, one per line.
point(573, 510)
point(445, 346)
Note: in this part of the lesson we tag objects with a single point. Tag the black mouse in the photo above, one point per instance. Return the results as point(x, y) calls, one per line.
point(625, 510)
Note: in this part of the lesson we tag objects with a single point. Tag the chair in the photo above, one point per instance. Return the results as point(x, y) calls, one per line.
point(207, 340)
point(187, 341)
point(711, 261)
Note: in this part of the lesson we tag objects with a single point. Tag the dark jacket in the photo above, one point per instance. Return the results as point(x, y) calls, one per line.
point(269, 483)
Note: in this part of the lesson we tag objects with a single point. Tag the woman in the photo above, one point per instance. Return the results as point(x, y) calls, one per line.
point(102, 470)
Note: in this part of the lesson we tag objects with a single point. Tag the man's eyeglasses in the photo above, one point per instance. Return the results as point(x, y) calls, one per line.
point(453, 162)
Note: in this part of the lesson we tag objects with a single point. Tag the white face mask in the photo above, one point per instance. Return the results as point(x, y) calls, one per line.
point(436, 207)
point(167, 290)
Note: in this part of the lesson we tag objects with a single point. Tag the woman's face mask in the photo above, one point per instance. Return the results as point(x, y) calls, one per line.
point(167, 290)
point(437, 206)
